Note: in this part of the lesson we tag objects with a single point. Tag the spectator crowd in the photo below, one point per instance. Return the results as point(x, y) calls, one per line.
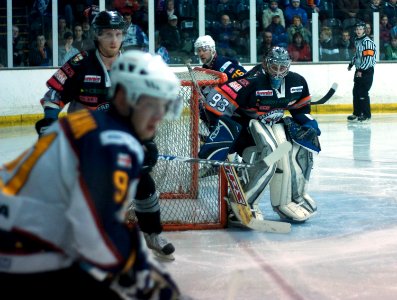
point(285, 23)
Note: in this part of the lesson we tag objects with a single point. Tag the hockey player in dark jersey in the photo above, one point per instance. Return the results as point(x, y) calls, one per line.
point(83, 82)
point(262, 100)
point(204, 47)
point(65, 232)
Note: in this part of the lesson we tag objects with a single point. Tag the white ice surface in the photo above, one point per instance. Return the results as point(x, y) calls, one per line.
point(347, 251)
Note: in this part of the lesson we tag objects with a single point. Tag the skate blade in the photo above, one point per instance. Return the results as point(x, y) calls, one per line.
point(163, 257)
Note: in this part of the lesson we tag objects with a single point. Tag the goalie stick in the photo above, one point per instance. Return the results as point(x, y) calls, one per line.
point(267, 161)
point(327, 96)
point(239, 204)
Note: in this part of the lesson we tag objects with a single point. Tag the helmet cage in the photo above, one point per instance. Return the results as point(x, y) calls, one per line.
point(277, 63)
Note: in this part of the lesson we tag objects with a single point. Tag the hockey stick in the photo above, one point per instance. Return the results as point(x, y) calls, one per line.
point(273, 157)
point(239, 204)
point(327, 96)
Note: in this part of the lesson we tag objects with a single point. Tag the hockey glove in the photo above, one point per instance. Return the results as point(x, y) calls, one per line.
point(151, 154)
point(42, 125)
point(305, 136)
point(350, 67)
point(312, 124)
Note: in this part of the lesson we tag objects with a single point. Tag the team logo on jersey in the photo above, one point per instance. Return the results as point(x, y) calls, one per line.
point(243, 82)
point(103, 106)
point(60, 76)
point(296, 89)
point(264, 93)
point(88, 99)
point(92, 78)
point(272, 117)
point(235, 86)
point(77, 58)
point(68, 70)
point(124, 160)
point(224, 66)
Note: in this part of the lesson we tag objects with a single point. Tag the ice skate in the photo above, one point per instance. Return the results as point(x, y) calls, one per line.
point(352, 118)
point(160, 246)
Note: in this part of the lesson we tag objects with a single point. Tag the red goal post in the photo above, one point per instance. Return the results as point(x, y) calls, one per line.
point(188, 201)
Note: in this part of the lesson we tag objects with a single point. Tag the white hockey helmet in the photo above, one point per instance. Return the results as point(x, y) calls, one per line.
point(205, 42)
point(141, 73)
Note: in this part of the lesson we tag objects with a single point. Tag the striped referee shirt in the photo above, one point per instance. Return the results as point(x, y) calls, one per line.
point(365, 56)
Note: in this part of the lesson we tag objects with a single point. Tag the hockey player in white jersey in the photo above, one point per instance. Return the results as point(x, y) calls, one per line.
point(260, 127)
point(63, 227)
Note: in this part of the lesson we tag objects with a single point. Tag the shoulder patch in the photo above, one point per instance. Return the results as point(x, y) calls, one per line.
point(243, 82)
point(235, 85)
point(60, 76)
point(68, 70)
point(81, 123)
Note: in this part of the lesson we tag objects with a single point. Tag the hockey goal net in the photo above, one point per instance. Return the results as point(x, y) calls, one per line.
point(188, 201)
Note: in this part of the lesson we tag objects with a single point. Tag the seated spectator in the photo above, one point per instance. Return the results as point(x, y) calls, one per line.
point(390, 9)
point(88, 34)
point(345, 46)
point(163, 14)
point(384, 32)
point(297, 26)
point(225, 7)
point(347, 9)
point(141, 16)
point(329, 50)
point(280, 37)
point(294, 9)
point(66, 50)
point(126, 6)
point(134, 38)
point(368, 31)
point(18, 45)
point(311, 6)
point(40, 54)
point(269, 12)
point(79, 42)
point(266, 45)
point(299, 49)
point(226, 37)
point(367, 14)
point(391, 49)
point(170, 34)
point(62, 29)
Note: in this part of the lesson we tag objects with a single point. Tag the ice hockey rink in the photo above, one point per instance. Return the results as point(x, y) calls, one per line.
point(348, 250)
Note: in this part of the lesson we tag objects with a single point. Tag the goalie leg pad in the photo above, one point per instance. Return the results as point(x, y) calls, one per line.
point(301, 166)
point(284, 185)
point(259, 176)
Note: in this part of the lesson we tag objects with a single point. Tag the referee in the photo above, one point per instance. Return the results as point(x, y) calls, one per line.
point(364, 60)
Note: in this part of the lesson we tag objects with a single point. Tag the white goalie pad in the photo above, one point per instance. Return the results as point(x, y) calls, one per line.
point(289, 184)
point(258, 177)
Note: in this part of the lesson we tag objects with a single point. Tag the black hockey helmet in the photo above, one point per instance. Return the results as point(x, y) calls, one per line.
point(359, 23)
point(108, 20)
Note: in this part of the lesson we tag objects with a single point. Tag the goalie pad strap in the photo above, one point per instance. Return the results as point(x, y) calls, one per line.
point(221, 138)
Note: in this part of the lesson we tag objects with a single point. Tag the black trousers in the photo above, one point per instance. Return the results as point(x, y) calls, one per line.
point(361, 100)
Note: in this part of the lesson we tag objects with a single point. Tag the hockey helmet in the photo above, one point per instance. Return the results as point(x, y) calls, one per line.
point(141, 73)
point(360, 24)
point(277, 62)
point(108, 20)
point(206, 42)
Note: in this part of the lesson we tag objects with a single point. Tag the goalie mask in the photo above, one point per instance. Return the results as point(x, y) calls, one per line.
point(205, 43)
point(276, 65)
point(141, 73)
